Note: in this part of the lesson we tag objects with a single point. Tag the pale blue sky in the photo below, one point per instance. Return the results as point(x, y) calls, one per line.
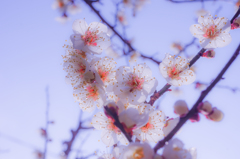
point(31, 49)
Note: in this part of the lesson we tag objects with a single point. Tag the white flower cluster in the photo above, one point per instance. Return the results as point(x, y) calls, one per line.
point(123, 91)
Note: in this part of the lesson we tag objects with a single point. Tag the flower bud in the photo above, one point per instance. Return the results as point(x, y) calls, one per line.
point(209, 54)
point(89, 77)
point(216, 115)
point(236, 23)
point(181, 108)
point(205, 108)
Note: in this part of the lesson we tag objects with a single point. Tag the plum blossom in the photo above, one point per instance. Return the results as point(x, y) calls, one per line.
point(175, 150)
point(59, 4)
point(142, 107)
point(106, 156)
point(153, 130)
point(134, 56)
point(177, 47)
point(105, 69)
point(216, 115)
point(75, 67)
point(176, 70)
point(138, 151)
point(201, 12)
point(110, 133)
point(74, 9)
point(92, 37)
point(134, 85)
point(236, 23)
point(89, 96)
point(212, 33)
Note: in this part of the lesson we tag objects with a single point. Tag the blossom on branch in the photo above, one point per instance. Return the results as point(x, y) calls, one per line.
point(153, 130)
point(170, 125)
point(209, 54)
point(176, 70)
point(89, 96)
point(181, 108)
point(134, 85)
point(92, 37)
point(212, 33)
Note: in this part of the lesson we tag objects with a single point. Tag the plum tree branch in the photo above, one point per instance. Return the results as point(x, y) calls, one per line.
point(200, 99)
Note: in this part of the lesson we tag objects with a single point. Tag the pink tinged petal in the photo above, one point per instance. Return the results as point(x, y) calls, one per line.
point(197, 30)
point(77, 41)
point(223, 40)
point(187, 77)
point(98, 26)
point(109, 137)
point(79, 26)
point(100, 121)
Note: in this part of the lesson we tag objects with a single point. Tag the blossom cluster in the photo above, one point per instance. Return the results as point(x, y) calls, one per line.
point(123, 91)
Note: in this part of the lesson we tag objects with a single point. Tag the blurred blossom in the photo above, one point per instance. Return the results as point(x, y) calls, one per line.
point(200, 86)
point(212, 33)
point(74, 9)
point(62, 19)
point(38, 154)
point(201, 12)
point(140, 3)
point(122, 18)
point(43, 132)
point(176, 70)
point(209, 54)
point(134, 56)
point(205, 108)
point(177, 47)
point(112, 53)
point(137, 151)
point(59, 4)
point(175, 150)
point(127, 3)
point(176, 91)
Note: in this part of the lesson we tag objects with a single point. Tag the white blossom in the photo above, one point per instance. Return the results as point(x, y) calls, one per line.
point(176, 70)
point(92, 37)
point(105, 69)
point(212, 33)
point(138, 151)
point(153, 130)
point(110, 133)
point(89, 96)
point(175, 150)
point(134, 85)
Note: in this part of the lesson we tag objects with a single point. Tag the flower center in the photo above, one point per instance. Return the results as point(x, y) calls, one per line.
point(211, 32)
point(146, 127)
point(92, 92)
point(81, 53)
point(82, 69)
point(60, 4)
point(135, 83)
point(173, 73)
point(89, 38)
point(103, 74)
point(138, 154)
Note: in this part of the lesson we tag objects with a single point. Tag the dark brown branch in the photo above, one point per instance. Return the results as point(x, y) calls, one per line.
point(117, 123)
point(200, 99)
point(233, 89)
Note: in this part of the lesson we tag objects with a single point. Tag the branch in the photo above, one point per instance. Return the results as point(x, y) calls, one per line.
point(47, 122)
point(234, 89)
point(74, 135)
point(200, 99)
point(113, 29)
point(117, 123)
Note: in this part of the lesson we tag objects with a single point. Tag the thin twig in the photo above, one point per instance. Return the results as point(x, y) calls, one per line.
point(200, 99)
point(47, 122)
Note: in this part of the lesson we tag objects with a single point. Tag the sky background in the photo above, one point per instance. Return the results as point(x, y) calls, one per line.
point(31, 49)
